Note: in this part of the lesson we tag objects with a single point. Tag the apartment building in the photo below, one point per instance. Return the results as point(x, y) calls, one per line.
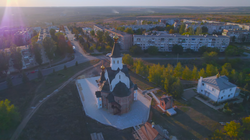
point(170, 21)
point(240, 35)
point(165, 42)
point(87, 30)
point(146, 27)
point(25, 35)
point(125, 39)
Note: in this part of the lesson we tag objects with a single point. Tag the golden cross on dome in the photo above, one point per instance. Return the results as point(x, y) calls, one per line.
point(116, 38)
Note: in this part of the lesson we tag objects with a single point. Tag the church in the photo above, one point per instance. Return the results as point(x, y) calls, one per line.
point(116, 92)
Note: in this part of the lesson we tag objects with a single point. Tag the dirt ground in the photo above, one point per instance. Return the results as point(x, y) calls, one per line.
point(62, 118)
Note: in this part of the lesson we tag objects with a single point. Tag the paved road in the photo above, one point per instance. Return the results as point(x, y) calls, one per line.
point(35, 108)
point(80, 57)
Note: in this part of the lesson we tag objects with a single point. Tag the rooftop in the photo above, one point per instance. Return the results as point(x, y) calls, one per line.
point(220, 83)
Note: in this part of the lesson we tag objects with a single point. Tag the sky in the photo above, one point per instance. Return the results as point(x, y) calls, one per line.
point(70, 3)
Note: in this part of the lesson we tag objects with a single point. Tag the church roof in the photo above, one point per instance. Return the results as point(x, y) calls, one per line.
point(112, 73)
point(98, 94)
point(121, 90)
point(116, 51)
point(105, 86)
point(102, 78)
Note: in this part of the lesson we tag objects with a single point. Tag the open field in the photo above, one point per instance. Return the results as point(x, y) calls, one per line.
point(62, 117)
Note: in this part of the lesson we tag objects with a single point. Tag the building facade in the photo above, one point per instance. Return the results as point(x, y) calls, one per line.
point(165, 42)
point(116, 90)
point(217, 88)
point(238, 35)
point(146, 27)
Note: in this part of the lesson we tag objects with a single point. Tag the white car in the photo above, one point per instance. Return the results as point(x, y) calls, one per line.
point(108, 54)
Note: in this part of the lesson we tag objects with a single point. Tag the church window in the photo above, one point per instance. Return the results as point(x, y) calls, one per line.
point(114, 61)
point(117, 61)
point(119, 76)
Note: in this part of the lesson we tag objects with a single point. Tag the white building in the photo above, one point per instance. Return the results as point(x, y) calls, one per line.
point(146, 27)
point(165, 42)
point(217, 88)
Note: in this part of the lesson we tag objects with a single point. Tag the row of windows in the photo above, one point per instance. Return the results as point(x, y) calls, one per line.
point(114, 61)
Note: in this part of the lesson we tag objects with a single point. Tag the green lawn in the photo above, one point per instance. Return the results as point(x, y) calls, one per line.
point(141, 83)
point(192, 121)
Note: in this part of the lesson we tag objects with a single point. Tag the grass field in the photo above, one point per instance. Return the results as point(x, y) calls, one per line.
point(141, 83)
point(62, 118)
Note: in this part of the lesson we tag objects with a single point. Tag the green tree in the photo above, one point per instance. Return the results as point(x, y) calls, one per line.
point(233, 51)
point(155, 74)
point(9, 81)
point(53, 34)
point(37, 52)
point(211, 70)
point(40, 74)
point(4, 62)
point(129, 31)
point(135, 49)
point(182, 28)
point(92, 32)
point(140, 68)
point(202, 49)
point(191, 30)
point(171, 31)
point(9, 116)
point(25, 78)
point(195, 74)
point(178, 70)
point(177, 89)
point(218, 135)
point(99, 35)
point(209, 57)
point(234, 75)
point(234, 130)
point(49, 47)
point(186, 74)
point(108, 48)
point(202, 73)
point(17, 58)
point(169, 27)
point(153, 50)
point(246, 123)
point(204, 29)
point(177, 49)
point(127, 59)
point(198, 31)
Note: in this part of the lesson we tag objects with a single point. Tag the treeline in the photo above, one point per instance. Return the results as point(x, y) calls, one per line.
point(169, 77)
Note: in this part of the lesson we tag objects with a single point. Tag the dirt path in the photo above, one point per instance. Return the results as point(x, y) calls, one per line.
point(32, 112)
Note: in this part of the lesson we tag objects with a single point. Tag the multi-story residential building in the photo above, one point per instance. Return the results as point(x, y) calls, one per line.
point(242, 26)
point(87, 29)
point(25, 35)
point(212, 27)
point(146, 27)
point(170, 21)
point(165, 42)
point(217, 88)
point(240, 35)
point(125, 39)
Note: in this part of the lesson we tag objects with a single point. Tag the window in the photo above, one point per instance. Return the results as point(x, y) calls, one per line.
point(223, 91)
point(203, 84)
point(230, 89)
point(228, 95)
point(119, 76)
point(221, 98)
point(117, 61)
point(162, 104)
point(114, 61)
point(201, 90)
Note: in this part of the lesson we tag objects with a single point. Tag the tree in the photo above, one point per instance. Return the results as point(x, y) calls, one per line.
point(65, 67)
point(211, 70)
point(202, 73)
point(129, 31)
point(233, 39)
point(9, 81)
point(233, 51)
point(155, 74)
point(53, 34)
point(4, 62)
point(171, 31)
point(9, 115)
point(108, 48)
point(234, 75)
point(140, 68)
point(204, 29)
point(92, 32)
point(40, 74)
point(177, 89)
point(37, 52)
point(135, 49)
point(182, 28)
point(246, 123)
point(218, 135)
point(186, 74)
point(169, 27)
point(195, 74)
point(54, 71)
point(177, 49)
point(49, 47)
point(178, 70)
point(234, 130)
point(202, 49)
point(191, 30)
point(25, 78)
point(127, 59)
point(99, 35)
point(210, 56)
point(76, 64)
point(17, 58)
point(61, 44)
point(198, 31)
point(153, 50)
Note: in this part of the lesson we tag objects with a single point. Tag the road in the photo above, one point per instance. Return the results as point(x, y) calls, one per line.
point(38, 105)
point(80, 57)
